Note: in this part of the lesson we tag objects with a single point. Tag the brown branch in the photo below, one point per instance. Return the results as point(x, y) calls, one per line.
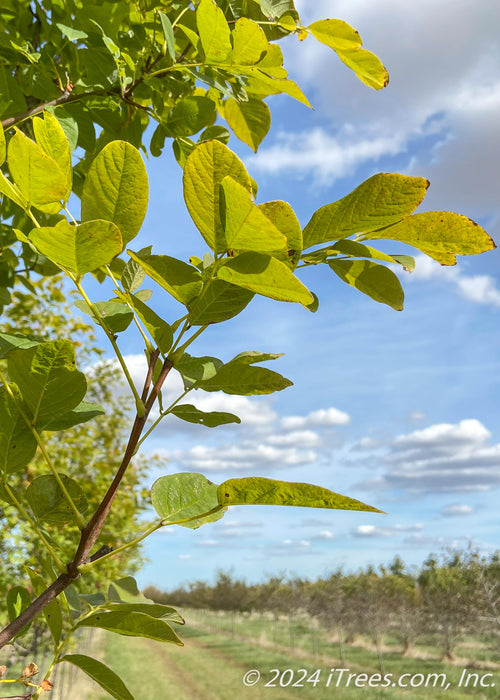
point(93, 529)
point(17, 697)
point(36, 607)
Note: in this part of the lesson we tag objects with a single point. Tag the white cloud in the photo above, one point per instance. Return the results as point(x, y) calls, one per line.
point(184, 556)
point(392, 531)
point(299, 438)
point(323, 417)
point(457, 510)
point(479, 289)
point(325, 535)
point(442, 458)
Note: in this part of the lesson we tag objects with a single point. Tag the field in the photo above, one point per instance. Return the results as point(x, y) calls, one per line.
point(220, 648)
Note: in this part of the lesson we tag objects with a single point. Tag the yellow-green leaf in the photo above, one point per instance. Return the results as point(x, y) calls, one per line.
point(116, 188)
point(335, 33)
point(249, 42)
point(283, 217)
point(3, 147)
point(214, 31)
point(249, 120)
point(40, 179)
point(257, 490)
point(378, 202)
point(367, 66)
point(204, 171)
point(265, 275)
point(10, 190)
point(439, 234)
point(246, 228)
point(181, 280)
point(101, 674)
point(79, 248)
point(50, 136)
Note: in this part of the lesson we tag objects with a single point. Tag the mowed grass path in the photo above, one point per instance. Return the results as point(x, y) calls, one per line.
point(211, 667)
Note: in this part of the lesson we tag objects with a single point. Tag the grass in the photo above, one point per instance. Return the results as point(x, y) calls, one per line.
point(212, 663)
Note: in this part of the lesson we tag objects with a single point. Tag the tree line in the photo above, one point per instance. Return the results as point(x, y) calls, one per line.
point(450, 595)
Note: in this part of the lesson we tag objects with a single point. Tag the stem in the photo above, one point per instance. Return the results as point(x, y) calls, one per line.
point(121, 295)
point(175, 67)
point(176, 21)
point(138, 403)
point(86, 567)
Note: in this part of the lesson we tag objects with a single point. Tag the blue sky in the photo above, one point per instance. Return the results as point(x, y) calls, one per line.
point(396, 409)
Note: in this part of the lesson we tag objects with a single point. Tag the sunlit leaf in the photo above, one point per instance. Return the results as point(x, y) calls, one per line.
point(50, 136)
point(213, 30)
point(116, 189)
point(186, 499)
point(257, 490)
point(377, 281)
point(181, 280)
point(218, 302)
point(249, 120)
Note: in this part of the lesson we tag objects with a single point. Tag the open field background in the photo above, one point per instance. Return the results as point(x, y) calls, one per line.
point(220, 647)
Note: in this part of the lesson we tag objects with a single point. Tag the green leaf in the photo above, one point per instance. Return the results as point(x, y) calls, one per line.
point(17, 442)
point(115, 315)
point(132, 624)
point(204, 171)
point(116, 189)
point(380, 201)
point(168, 33)
point(79, 248)
point(249, 120)
point(439, 234)
point(283, 217)
point(50, 136)
point(48, 502)
point(377, 281)
point(239, 377)
point(186, 497)
point(358, 250)
point(214, 31)
point(133, 275)
point(218, 302)
point(257, 490)
point(190, 115)
point(68, 123)
point(18, 599)
point(81, 414)
point(52, 612)
point(39, 178)
point(101, 674)
point(47, 378)
point(72, 33)
point(181, 280)
point(246, 228)
point(264, 275)
point(160, 330)
point(162, 612)
point(191, 414)
point(11, 341)
point(125, 590)
point(195, 369)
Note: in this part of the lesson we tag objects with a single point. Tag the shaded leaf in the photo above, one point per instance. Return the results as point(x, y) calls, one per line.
point(160, 330)
point(191, 414)
point(80, 414)
point(195, 369)
point(132, 624)
point(116, 316)
point(52, 612)
point(181, 280)
point(186, 497)
point(48, 502)
point(377, 281)
point(218, 302)
point(257, 490)
point(190, 115)
point(168, 33)
point(249, 120)
point(240, 377)
point(101, 674)
point(47, 378)
point(116, 189)
point(17, 442)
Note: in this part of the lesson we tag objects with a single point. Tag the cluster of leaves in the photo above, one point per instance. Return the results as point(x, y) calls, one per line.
point(116, 67)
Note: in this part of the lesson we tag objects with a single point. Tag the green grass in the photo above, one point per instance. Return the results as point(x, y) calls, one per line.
point(211, 666)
